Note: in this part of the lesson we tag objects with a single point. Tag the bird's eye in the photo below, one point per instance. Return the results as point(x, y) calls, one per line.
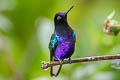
point(59, 17)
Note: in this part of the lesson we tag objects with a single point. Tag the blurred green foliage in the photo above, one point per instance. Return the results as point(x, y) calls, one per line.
point(26, 27)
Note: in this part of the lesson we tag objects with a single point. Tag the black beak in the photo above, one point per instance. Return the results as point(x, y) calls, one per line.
point(69, 10)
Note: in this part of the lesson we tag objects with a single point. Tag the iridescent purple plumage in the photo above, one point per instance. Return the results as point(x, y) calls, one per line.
point(60, 13)
point(65, 47)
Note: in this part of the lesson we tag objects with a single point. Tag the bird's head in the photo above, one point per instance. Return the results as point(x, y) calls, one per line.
point(61, 17)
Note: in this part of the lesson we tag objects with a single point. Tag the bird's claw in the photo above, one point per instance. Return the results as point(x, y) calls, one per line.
point(61, 62)
point(70, 61)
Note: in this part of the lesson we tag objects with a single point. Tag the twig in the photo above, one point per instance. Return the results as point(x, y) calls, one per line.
point(45, 65)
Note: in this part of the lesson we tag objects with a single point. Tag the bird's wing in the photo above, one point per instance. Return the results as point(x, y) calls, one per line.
point(52, 47)
point(74, 36)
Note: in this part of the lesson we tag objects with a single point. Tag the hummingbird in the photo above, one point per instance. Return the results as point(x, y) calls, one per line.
point(62, 42)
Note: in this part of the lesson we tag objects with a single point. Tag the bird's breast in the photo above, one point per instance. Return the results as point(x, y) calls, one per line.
point(65, 47)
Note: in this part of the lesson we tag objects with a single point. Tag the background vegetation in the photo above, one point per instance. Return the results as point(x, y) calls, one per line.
point(26, 27)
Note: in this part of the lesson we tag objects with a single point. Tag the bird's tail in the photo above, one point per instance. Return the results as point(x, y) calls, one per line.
point(55, 70)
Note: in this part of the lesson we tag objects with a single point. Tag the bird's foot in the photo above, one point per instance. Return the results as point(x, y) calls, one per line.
point(70, 61)
point(61, 61)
